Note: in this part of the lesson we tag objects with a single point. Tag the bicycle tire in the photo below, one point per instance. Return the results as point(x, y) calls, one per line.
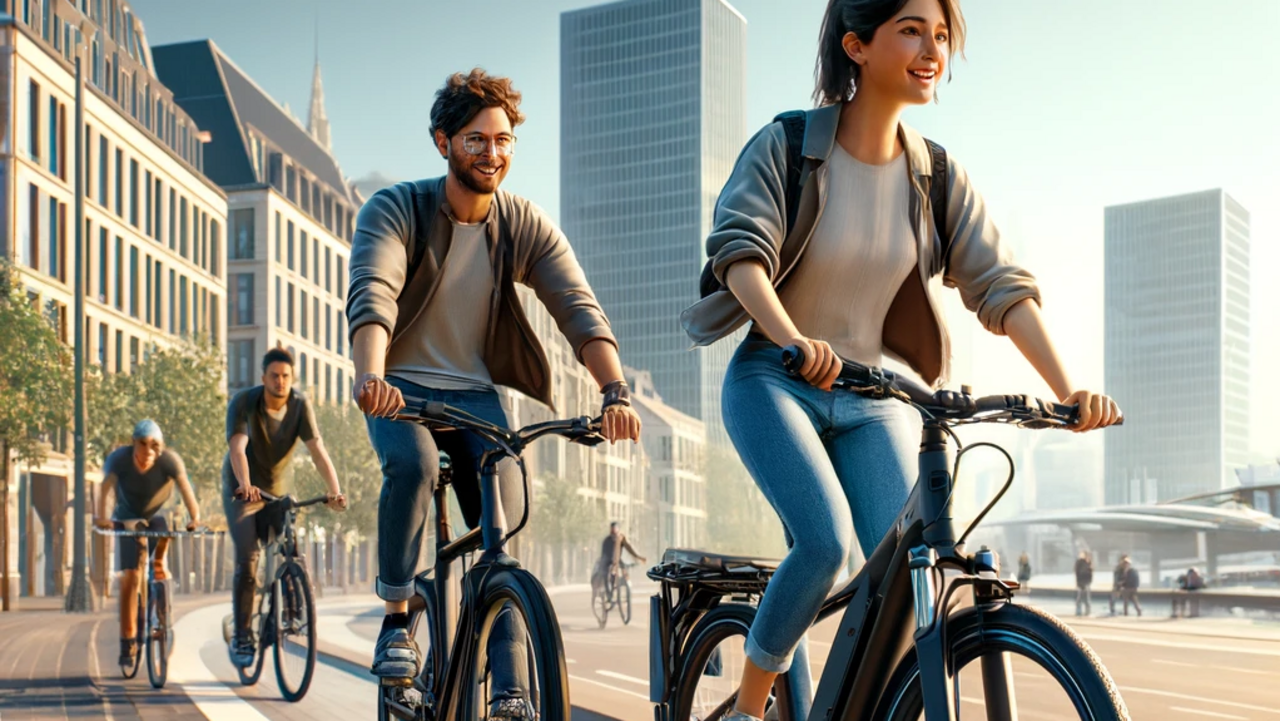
point(600, 607)
point(624, 601)
point(295, 627)
point(1018, 630)
point(716, 626)
point(157, 639)
point(139, 634)
point(517, 589)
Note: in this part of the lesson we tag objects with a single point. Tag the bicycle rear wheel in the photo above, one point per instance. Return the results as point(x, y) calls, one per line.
point(1064, 678)
point(707, 685)
point(536, 659)
point(157, 639)
point(295, 613)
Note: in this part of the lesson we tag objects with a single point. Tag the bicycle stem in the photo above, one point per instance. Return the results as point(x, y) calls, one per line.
point(936, 481)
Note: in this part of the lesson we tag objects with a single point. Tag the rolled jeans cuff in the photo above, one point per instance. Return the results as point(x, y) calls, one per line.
point(765, 660)
point(388, 592)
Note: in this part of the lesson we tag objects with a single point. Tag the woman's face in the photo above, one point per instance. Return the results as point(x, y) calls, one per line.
point(907, 55)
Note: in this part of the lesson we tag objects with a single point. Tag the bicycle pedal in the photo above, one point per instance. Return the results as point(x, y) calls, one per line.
point(401, 682)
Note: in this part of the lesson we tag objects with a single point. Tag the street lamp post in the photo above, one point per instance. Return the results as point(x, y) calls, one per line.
point(80, 595)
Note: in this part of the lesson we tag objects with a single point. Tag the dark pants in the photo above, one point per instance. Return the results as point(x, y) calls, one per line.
point(252, 526)
point(410, 458)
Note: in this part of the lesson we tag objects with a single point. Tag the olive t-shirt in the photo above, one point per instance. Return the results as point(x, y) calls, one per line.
point(271, 442)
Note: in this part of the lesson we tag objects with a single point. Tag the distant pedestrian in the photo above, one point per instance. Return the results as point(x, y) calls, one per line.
point(1084, 579)
point(1130, 594)
point(1188, 583)
point(1117, 582)
point(1024, 572)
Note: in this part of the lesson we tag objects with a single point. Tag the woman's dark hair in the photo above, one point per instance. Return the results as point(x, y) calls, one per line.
point(836, 75)
point(276, 355)
point(463, 96)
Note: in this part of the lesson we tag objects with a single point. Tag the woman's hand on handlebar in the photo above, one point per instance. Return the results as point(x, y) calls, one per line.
point(821, 364)
point(336, 502)
point(1095, 410)
point(376, 397)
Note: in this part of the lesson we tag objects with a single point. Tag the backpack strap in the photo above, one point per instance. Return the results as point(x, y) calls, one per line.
point(793, 123)
point(938, 192)
point(417, 241)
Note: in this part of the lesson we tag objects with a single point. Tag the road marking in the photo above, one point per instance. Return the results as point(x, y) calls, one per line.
point(1207, 713)
point(1200, 699)
point(215, 699)
point(1233, 669)
point(1175, 644)
point(569, 660)
point(624, 677)
point(97, 670)
point(610, 687)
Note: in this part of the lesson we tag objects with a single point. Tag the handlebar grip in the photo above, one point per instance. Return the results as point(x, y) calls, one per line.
point(793, 359)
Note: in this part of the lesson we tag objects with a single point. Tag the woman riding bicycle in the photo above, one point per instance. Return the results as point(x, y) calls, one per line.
point(857, 277)
point(142, 475)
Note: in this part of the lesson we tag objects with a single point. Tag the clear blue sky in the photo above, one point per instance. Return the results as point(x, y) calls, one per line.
point(1059, 110)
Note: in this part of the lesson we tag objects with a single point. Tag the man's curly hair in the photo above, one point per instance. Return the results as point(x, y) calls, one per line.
point(463, 96)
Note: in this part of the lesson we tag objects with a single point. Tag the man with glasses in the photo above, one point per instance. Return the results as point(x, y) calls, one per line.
point(142, 475)
point(434, 315)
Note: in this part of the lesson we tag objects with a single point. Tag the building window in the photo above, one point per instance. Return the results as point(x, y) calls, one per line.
point(328, 383)
point(183, 233)
point(158, 297)
point(242, 224)
point(303, 320)
point(119, 351)
point(315, 260)
point(342, 278)
point(33, 122)
point(328, 328)
point(88, 162)
point(102, 346)
point(104, 265)
point(289, 320)
point(55, 141)
point(147, 298)
point(215, 253)
point(173, 300)
point(173, 218)
point(289, 248)
point(315, 318)
point(243, 307)
point(134, 275)
point(303, 268)
point(146, 211)
point(342, 384)
point(158, 209)
point(119, 182)
point(279, 301)
point(104, 169)
point(328, 270)
point(278, 240)
point(241, 363)
point(133, 354)
point(133, 193)
point(118, 295)
point(183, 306)
point(342, 333)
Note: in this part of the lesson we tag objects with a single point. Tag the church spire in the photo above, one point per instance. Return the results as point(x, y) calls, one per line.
point(317, 121)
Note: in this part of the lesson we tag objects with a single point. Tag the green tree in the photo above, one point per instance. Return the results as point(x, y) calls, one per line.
point(36, 385)
point(342, 427)
point(739, 519)
point(181, 388)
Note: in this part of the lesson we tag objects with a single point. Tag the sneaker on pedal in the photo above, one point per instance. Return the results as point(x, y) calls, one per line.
point(128, 652)
point(242, 650)
point(396, 655)
point(511, 709)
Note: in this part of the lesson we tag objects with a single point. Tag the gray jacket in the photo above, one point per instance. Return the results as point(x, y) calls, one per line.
point(393, 236)
point(749, 223)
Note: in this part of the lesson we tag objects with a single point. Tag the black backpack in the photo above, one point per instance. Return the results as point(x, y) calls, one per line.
point(793, 123)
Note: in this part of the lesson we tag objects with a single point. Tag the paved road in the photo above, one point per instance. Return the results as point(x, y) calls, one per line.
point(57, 666)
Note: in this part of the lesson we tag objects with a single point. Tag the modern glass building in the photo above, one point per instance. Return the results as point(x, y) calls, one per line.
point(652, 97)
point(1177, 345)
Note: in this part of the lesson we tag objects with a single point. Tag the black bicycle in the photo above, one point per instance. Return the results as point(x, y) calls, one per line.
point(155, 607)
point(455, 679)
point(614, 592)
point(286, 615)
point(904, 649)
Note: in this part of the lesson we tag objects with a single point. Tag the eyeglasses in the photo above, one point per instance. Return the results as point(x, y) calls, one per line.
point(476, 144)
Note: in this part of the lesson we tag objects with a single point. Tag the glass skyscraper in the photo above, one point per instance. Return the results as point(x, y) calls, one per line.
point(1177, 345)
point(652, 107)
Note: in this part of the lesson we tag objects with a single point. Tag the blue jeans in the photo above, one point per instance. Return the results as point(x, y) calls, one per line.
point(410, 458)
point(832, 465)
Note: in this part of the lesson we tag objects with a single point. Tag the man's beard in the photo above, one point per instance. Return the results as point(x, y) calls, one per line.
point(463, 174)
point(273, 394)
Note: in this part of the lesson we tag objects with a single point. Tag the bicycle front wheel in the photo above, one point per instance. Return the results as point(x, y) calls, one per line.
point(517, 651)
point(295, 613)
point(157, 641)
point(624, 601)
point(1013, 645)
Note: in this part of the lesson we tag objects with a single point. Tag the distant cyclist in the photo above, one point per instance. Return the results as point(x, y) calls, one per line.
point(611, 555)
point(142, 475)
point(264, 423)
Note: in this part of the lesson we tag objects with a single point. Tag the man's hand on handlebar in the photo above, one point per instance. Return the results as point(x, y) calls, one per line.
point(1095, 411)
point(194, 524)
point(248, 494)
point(336, 502)
point(376, 397)
point(105, 524)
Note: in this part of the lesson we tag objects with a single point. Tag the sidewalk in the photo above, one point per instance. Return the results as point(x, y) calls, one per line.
point(1155, 619)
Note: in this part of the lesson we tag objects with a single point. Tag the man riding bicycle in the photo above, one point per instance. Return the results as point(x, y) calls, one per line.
point(264, 423)
point(610, 556)
point(434, 316)
point(142, 475)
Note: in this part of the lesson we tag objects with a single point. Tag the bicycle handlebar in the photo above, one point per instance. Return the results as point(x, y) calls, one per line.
point(124, 530)
point(583, 430)
point(290, 502)
point(1024, 410)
